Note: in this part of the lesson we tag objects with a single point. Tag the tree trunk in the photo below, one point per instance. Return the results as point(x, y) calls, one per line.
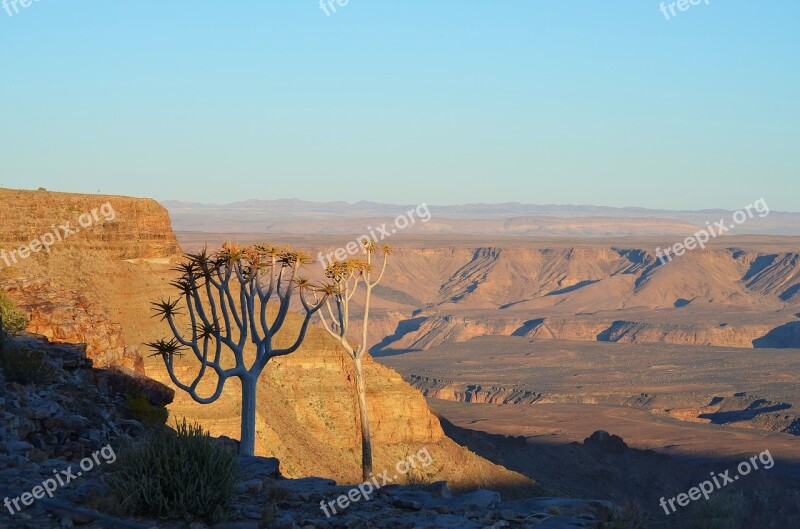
point(366, 437)
point(248, 439)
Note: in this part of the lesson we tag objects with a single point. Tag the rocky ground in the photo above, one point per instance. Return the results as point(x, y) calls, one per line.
point(50, 427)
point(265, 500)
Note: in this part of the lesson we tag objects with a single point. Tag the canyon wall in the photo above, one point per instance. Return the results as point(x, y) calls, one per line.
point(739, 291)
point(126, 228)
point(746, 296)
point(79, 237)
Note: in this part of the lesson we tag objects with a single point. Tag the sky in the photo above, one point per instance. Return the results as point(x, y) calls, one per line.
point(442, 102)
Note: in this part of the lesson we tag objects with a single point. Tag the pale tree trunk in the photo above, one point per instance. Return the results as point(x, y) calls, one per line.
point(248, 438)
point(366, 438)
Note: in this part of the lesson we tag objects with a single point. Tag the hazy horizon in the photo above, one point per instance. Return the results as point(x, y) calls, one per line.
point(353, 202)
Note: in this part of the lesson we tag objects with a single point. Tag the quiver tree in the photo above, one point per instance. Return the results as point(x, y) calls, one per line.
point(225, 297)
point(346, 276)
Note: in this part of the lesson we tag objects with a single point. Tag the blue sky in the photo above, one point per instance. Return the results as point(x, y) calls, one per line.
point(573, 102)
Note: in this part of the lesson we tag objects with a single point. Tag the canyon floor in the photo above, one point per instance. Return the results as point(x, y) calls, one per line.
point(708, 408)
point(707, 389)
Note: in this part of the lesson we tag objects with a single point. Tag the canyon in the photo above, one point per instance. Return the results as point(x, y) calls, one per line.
point(509, 344)
point(740, 291)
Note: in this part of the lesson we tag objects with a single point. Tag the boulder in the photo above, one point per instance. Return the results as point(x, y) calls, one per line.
point(479, 500)
point(605, 442)
point(127, 381)
point(260, 468)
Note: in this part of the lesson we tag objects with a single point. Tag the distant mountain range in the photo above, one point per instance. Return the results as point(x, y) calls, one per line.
point(512, 218)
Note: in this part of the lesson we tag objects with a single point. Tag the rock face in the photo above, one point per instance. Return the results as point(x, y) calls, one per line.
point(74, 410)
point(88, 235)
point(63, 315)
point(736, 292)
point(606, 443)
point(447, 390)
point(132, 228)
point(724, 295)
point(621, 331)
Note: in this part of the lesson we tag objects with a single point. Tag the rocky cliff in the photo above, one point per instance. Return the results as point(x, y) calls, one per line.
point(67, 316)
point(78, 237)
point(115, 227)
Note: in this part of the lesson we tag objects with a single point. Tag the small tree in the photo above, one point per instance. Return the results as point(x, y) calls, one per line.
point(12, 320)
point(226, 297)
point(346, 275)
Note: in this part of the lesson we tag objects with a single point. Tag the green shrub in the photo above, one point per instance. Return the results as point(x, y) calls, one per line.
point(172, 475)
point(275, 495)
point(140, 409)
point(24, 365)
point(626, 516)
point(14, 321)
point(720, 512)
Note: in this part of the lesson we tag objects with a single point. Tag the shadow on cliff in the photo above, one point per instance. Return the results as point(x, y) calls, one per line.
point(528, 327)
point(755, 409)
point(783, 337)
point(403, 328)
